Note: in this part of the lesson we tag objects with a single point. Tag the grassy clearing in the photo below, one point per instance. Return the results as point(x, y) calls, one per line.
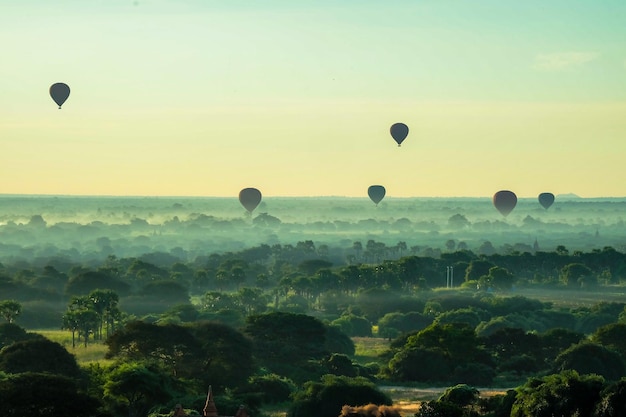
point(94, 352)
point(275, 410)
point(408, 399)
point(574, 298)
point(369, 349)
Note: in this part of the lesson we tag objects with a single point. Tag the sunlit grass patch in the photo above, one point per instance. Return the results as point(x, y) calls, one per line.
point(93, 352)
point(409, 395)
point(408, 399)
point(275, 410)
point(369, 349)
point(63, 337)
point(90, 354)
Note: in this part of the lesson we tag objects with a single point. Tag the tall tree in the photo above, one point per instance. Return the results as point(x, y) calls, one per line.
point(10, 309)
point(105, 304)
point(613, 401)
point(173, 346)
point(70, 322)
point(590, 358)
point(577, 275)
point(82, 319)
point(136, 386)
point(38, 355)
point(564, 394)
point(500, 278)
point(286, 342)
point(612, 336)
point(225, 356)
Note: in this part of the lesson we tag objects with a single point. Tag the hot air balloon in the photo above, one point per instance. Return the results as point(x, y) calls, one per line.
point(399, 132)
point(250, 198)
point(376, 193)
point(59, 93)
point(546, 200)
point(505, 201)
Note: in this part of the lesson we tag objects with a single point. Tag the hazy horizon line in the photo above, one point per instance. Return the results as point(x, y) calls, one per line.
point(388, 197)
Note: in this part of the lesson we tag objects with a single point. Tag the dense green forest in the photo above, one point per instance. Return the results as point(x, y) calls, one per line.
point(275, 311)
point(275, 324)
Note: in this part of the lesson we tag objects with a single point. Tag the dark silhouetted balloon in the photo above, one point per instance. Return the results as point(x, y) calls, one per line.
point(546, 200)
point(59, 93)
point(376, 193)
point(505, 201)
point(399, 132)
point(250, 198)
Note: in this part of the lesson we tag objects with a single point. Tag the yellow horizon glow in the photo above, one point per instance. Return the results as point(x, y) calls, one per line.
point(323, 148)
point(197, 98)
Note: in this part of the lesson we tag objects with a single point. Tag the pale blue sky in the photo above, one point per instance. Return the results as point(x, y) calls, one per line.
point(296, 98)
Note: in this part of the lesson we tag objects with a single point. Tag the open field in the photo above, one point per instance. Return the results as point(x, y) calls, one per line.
point(408, 399)
point(575, 298)
point(94, 352)
point(368, 349)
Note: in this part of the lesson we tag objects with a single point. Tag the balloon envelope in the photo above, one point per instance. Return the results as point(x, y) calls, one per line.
point(505, 201)
point(399, 132)
point(59, 93)
point(376, 193)
point(250, 198)
point(546, 200)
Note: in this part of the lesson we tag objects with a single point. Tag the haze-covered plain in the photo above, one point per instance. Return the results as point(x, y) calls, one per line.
point(92, 228)
point(328, 270)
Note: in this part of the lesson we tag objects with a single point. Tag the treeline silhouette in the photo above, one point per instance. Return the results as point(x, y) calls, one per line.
point(303, 276)
point(88, 230)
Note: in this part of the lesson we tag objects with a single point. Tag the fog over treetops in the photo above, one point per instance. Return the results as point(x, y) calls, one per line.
point(83, 228)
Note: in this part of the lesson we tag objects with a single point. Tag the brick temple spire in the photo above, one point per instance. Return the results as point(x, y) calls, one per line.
point(209, 407)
